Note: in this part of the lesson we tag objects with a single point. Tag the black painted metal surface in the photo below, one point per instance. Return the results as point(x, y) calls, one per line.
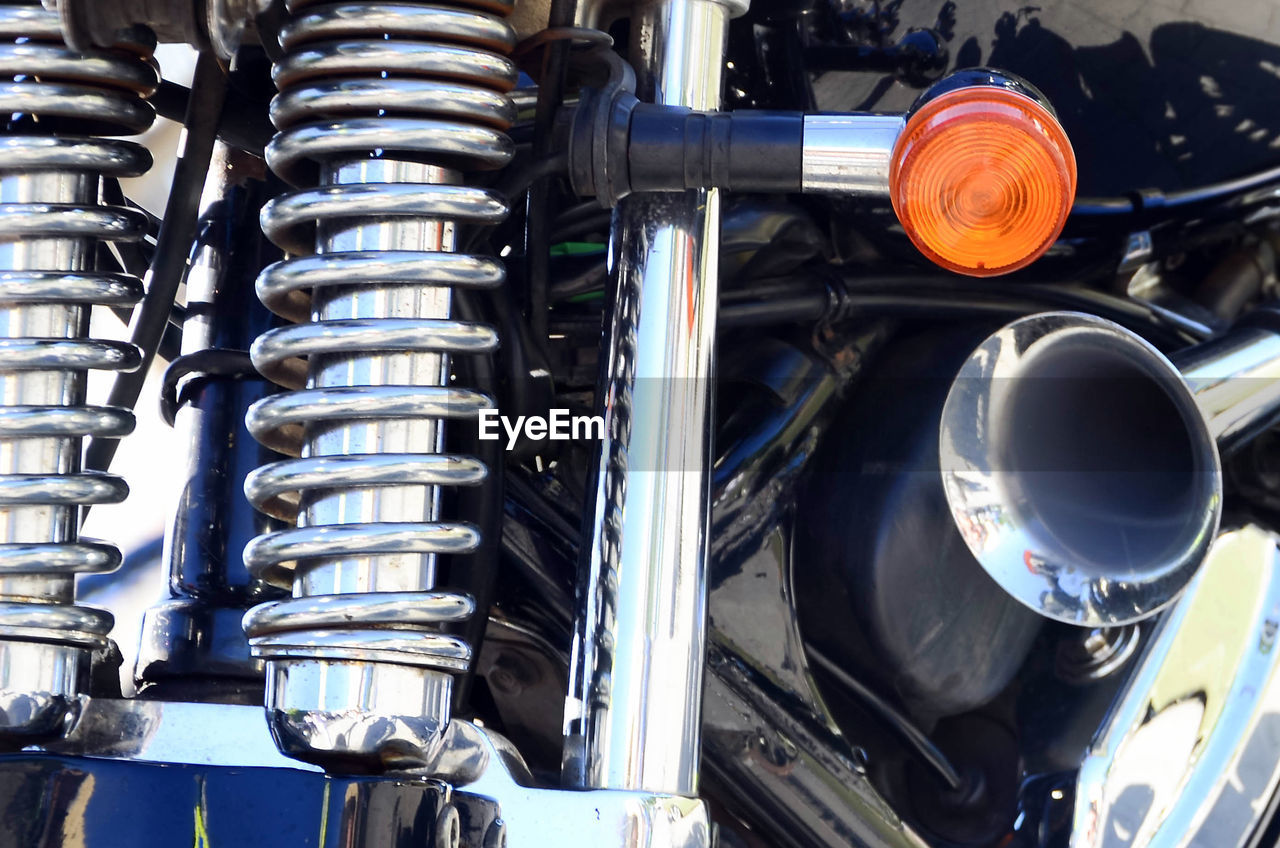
point(1152, 95)
point(49, 801)
point(196, 635)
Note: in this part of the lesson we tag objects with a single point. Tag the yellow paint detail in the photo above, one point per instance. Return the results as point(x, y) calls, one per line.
point(202, 832)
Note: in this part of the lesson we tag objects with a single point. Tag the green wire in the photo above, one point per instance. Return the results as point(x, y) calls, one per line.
point(576, 248)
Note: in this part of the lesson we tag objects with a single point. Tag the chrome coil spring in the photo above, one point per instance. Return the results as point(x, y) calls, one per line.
point(381, 108)
point(58, 104)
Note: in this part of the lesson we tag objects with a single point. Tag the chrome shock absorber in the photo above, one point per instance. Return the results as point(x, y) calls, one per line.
point(381, 106)
point(58, 104)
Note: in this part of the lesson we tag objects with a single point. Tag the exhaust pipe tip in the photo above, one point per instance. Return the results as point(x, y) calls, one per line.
point(1079, 469)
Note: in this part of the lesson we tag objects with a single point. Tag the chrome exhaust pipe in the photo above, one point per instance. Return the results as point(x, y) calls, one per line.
point(1082, 466)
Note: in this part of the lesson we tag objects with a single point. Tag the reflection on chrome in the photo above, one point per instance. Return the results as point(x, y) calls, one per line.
point(475, 762)
point(1190, 755)
point(1082, 466)
point(640, 634)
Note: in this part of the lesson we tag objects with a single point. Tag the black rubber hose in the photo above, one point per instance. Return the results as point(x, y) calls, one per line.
point(481, 505)
point(132, 260)
point(929, 753)
point(1157, 204)
point(173, 245)
point(816, 297)
point(1058, 295)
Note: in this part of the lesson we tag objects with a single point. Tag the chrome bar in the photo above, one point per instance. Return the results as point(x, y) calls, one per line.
point(64, 108)
point(388, 572)
point(1190, 754)
point(1236, 383)
point(43, 522)
point(634, 707)
point(174, 732)
point(850, 154)
point(357, 706)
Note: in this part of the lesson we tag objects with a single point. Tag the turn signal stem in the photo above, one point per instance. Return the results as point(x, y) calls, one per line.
point(980, 173)
point(645, 147)
point(642, 147)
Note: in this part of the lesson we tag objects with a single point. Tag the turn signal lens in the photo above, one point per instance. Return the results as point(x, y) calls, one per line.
point(982, 180)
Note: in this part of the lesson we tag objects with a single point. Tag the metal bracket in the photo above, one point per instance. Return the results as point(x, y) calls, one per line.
point(479, 768)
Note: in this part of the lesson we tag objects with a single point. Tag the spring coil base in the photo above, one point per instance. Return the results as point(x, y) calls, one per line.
point(51, 225)
point(380, 105)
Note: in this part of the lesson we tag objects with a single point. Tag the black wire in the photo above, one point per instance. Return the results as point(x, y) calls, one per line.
point(583, 278)
point(1090, 207)
point(1159, 204)
point(482, 505)
point(578, 211)
point(538, 255)
point(1125, 311)
point(113, 195)
point(537, 224)
point(814, 297)
point(582, 227)
point(130, 257)
point(516, 181)
point(173, 246)
point(1226, 188)
point(171, 341)
point(210, 362)
point(928, 752)
point(133, 259)
point(245, 126)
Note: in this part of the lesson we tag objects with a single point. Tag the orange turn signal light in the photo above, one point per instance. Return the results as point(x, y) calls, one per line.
point(982, 180)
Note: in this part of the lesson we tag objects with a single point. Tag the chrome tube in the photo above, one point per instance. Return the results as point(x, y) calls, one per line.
point(61, 106)
point(634, 707)
point(1236, 383)
point(321, 708)
point(358, 661)
point(1082, 466)
point(850, 154)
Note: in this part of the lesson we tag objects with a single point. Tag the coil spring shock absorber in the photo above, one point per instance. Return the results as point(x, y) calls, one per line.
point(380, 105)
point(52, 226)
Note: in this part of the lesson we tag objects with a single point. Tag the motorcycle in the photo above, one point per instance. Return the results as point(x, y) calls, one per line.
point(662, 423)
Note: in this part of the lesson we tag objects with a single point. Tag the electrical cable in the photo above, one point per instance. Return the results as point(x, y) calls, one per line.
point(583, 227)
point(517, 180)
point(832, 297)
point(579, 211)
point(551, 86)
point(928, 752)
point(1160, 204)
point(482, 503)
point(210, 362)
point(243, 127)
point(132, 259)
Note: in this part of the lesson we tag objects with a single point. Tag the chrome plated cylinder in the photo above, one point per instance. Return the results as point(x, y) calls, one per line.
point(58, 104)
point(634, 707)
point(380, 104)
point(1236, 383)
point(1082, 466)
point(849, 154)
